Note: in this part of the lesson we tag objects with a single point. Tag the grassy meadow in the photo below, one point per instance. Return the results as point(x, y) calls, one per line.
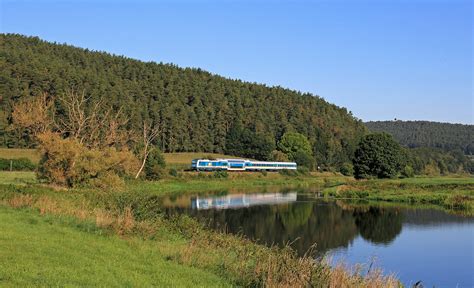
point(62, 251)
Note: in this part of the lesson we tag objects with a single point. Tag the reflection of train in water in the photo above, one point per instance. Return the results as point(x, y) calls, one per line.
point(240, 165)
point(241, 200)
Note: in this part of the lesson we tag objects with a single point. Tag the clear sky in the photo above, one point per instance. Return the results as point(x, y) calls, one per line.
point(385, 59)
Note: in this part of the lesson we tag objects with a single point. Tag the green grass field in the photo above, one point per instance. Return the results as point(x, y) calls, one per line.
point(17, 177)
point(49, 251)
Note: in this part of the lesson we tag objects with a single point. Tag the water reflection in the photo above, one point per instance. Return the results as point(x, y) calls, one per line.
point(281, 218)
point(413, 242)
point(241, 200)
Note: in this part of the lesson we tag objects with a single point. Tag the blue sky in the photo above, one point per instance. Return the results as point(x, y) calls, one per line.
point(381, 59)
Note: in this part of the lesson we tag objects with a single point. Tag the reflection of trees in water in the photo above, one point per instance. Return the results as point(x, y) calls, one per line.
point(378, 225)
point(326, 225)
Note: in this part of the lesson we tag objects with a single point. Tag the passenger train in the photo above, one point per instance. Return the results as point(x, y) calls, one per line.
point(240, 165)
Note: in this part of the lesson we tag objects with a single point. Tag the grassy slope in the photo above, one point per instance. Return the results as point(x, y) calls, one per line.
point(48, 251)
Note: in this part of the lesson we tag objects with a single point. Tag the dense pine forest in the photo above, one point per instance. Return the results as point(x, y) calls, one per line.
point(414, 134)
point(194, 110)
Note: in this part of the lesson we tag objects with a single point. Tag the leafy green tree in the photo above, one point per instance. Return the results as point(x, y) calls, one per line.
point(303, 159)
point(246, 143)
point(297, 147)
point(378, 155)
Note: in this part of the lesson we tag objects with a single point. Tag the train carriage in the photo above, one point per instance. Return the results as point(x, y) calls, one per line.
point(240, 165)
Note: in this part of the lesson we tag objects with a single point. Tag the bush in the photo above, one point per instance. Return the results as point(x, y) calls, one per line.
point(173, 172)
point(408, 172)
point(155, 165)
point(67, 162)
point(290, 173)
point(347, 169)
point(21, 164)
point(221, 174)
point(303, 170)
point(155, 173)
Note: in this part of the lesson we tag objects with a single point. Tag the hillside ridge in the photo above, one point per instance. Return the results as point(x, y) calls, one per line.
point(422, 133)
point(194, 108)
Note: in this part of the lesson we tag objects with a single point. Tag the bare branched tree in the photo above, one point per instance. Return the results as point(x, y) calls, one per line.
point(149, 135)
point(91, 123)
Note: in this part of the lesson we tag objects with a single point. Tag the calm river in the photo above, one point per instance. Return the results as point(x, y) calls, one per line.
point(415, 243)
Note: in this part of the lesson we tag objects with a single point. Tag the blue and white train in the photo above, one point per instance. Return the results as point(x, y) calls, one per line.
point(240, 165)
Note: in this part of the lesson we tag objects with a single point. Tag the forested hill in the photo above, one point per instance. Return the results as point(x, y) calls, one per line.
point(428, 134)
point(195, 109)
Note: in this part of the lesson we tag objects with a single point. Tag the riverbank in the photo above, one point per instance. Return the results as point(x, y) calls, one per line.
point(453, 193)
point(133, 221)
point(135, 217)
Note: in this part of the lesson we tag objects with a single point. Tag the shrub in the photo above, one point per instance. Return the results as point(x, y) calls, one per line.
point(408, 172)
point(347, 169)
point(431, 169)
point(155, 165)
point(173, 172)
point(155, 173)
point(303, 170)
point(67, 162)
point(264, 173)
point(290, 173)
point(221, 174)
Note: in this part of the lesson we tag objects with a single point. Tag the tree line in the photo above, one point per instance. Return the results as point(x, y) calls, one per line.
point(191, 109)
point(415, 134)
